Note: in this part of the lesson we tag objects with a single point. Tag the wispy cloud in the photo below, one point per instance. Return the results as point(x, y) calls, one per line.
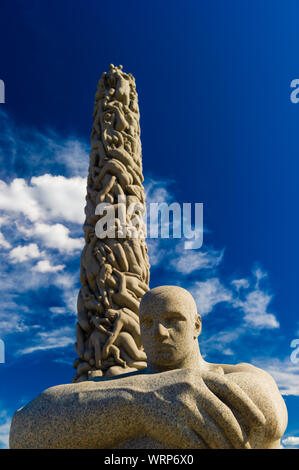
point(255, 308)
point(12, 323)
point(59, 338)
point(222, 342)
point(5, 421)
point(55, 236)
point(254, 301)
point(44, 266)
point(209, 293)
point(158, 191)
point(19, 254)
point(291, 441)
point(285, 373)
point(189, 261)
point(244, 295)
point(240, 284)
point(25, 151)
point(3, 242)
point(42, 198)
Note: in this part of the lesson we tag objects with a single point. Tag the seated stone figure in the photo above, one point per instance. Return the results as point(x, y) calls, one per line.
point(179, 401)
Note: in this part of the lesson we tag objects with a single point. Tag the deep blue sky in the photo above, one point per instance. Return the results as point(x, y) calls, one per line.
point(218, 127)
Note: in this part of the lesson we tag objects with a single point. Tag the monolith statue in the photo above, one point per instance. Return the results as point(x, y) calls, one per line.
point(141, 381)
point(114, 269)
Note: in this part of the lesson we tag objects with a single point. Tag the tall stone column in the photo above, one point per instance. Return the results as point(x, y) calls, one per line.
point(114, 269)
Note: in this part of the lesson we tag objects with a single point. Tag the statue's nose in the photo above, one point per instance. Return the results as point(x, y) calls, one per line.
point(161, 331)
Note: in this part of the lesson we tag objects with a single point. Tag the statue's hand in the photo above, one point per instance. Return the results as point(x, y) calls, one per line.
point(235, 398)
point(194, 406)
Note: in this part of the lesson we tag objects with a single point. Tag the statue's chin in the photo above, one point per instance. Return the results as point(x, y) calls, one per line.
point(167, 361)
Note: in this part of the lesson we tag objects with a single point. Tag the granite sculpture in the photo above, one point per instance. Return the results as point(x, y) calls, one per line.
point(114, 269)
point(179, 401)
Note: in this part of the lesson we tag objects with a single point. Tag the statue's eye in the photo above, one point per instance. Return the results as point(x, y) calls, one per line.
point(172, 320)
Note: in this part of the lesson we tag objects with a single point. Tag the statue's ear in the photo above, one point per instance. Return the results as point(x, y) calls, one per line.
point(197, 326)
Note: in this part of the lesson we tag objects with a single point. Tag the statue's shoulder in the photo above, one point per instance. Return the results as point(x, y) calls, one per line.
point(241, 367)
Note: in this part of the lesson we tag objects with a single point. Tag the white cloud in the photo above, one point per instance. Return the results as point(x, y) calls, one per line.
point(189, 261)
point(252, 301)
point(3, 220)
point(58, 310)
point(60, 197)
point(47, 210)
point(24, 253)
point(55, 236)
point(157, 191)
point(59, 338)
point(45, 198)
point(209, 293)
point(221, 341)
point(40, 151)
point(17, 197)
point(5, 421)
point(240, 284)
point(255, 308)
point(291, 441)
point(68, 284)
point(259, 274)
point(44, 266)
point(4, 243)
point(285, 373)
point(11, 323)
point(74, 154)
point(155, 251)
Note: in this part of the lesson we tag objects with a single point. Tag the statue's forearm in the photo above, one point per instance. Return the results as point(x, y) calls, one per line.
point(89, 415)
point(183, 409)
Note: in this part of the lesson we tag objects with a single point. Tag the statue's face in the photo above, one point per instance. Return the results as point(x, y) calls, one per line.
point(168, 329)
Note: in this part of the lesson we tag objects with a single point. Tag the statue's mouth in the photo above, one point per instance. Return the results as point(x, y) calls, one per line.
point(163, 346)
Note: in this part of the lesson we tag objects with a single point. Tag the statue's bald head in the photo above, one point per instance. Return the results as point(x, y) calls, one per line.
point(171, 298)
point(169, 326)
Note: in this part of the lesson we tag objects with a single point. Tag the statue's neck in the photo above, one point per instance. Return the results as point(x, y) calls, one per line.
point(193, 361)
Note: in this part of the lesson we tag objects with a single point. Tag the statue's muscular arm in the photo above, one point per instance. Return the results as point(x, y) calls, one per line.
point(261, 388)
point(238, 408)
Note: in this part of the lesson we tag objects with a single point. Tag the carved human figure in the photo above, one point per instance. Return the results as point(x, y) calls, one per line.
point(89, 266)
point(122, 318)
point(179, 401)
point(97, 340)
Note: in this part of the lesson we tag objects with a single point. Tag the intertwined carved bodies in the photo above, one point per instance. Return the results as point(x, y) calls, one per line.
point(114, 268)
point(179, 401)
